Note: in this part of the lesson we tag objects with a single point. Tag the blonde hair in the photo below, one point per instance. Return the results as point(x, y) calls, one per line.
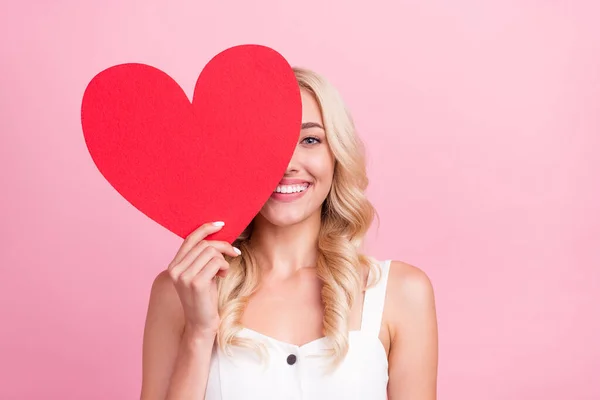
point(346, 216)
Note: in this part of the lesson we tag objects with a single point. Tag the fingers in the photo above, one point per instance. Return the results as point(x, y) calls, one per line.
point(196, 253)
point(193, 238)
point(192, 256)
point(208, 255)
point(224, 247)
point(215, 266)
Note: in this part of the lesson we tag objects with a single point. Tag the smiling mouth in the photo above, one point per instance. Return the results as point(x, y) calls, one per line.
point(291, 189)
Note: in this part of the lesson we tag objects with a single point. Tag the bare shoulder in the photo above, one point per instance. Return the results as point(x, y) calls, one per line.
point(410, 295)
point(164, 302)
point(409, 283)
point(162, 282)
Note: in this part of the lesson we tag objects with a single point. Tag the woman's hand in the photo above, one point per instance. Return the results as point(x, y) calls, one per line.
point(193, 271)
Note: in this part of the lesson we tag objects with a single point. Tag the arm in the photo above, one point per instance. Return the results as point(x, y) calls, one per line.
point(413, 358)
point(175, 361)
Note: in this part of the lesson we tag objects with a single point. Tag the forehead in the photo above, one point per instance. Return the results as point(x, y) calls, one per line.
point(310, 108)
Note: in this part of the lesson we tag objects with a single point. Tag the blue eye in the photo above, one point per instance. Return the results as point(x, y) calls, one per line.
point(313, 140)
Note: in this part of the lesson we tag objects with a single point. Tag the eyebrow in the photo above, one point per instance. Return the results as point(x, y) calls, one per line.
point(307, 125)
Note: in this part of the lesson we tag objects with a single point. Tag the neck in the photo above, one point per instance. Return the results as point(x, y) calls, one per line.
point(282, 251)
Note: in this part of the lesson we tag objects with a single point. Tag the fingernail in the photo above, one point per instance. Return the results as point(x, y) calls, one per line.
point(237, 250)
point(219, 223)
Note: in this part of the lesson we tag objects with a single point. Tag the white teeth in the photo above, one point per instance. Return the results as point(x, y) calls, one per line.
point(291, 188)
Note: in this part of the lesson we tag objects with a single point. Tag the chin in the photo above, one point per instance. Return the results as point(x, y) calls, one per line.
point(282, 215)
point(283, 219)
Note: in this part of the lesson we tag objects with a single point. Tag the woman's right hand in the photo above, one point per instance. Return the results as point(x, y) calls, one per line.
point(193, 272)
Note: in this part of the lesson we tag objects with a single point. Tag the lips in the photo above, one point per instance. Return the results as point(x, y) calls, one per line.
point(288, 181)
point(290, 192)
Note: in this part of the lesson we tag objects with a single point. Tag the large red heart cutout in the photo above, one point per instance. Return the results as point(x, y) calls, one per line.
point(183, 164)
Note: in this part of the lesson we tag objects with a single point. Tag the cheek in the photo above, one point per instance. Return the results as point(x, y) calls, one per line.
point(321, 168)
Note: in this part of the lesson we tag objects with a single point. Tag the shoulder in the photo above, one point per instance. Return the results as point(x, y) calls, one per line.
point(164, 302)
point(163, 285)
point(409, 283)
point(409, 296)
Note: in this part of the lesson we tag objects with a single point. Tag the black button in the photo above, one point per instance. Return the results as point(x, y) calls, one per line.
point(291, 359)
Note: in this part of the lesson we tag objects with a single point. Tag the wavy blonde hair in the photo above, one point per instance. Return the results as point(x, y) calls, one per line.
point(346, 216)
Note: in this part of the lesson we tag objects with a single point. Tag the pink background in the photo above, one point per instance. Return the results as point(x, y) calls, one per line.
point(482, 121)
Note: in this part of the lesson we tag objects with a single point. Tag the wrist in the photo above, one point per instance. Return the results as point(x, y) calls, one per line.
point(195, 332)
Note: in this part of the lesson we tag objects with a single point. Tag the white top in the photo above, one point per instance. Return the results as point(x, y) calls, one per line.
point(290, 374)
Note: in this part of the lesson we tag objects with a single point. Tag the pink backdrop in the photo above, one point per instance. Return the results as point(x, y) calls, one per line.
point(483, 126)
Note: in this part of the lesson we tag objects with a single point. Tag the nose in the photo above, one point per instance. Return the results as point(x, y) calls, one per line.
point(293, 165)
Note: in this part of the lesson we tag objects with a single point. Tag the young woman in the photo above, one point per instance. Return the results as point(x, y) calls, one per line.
point(293, 310)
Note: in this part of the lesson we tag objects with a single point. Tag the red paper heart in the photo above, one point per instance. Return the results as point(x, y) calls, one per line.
point(183, 164)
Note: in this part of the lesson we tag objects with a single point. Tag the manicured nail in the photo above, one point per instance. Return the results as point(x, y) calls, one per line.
point(237, 250)
point(219, 223)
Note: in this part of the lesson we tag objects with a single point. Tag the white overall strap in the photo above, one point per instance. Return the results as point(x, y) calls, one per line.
point(374, 301)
